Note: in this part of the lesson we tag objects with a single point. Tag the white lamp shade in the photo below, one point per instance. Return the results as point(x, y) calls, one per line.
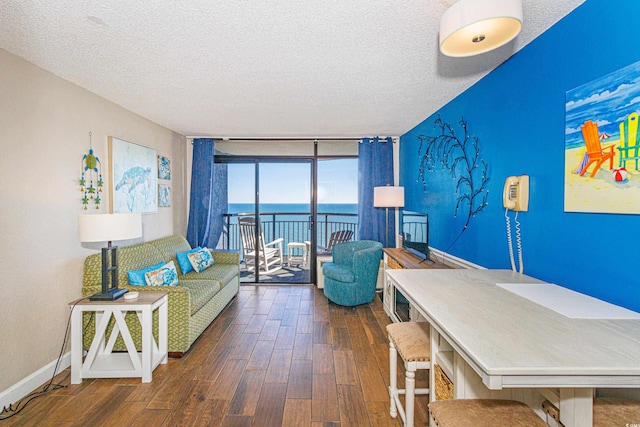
point(109, 227)
point(388, 197)
point(472, 27)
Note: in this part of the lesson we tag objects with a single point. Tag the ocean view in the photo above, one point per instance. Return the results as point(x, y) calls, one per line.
point(323, 208)
point(291, 221)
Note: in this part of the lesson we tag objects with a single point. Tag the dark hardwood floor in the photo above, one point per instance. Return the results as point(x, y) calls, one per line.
point(277, 355)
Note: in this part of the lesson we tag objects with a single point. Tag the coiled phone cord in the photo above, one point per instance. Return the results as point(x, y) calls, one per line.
point(510, 241)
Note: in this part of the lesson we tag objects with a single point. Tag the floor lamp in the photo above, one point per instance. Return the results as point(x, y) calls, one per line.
point(106, 228)
point(388, 197)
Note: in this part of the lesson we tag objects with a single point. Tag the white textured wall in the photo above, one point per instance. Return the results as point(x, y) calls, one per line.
point(44, 131)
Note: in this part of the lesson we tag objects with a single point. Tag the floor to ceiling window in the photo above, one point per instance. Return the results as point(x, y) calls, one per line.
point(337, 197)
point(291, 196)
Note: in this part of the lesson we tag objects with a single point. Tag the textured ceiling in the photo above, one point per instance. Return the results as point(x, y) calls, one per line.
point(269, 68)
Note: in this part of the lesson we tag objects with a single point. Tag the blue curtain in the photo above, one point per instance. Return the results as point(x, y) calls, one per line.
point(202, 190)
point(219, 233)
point(375, 169)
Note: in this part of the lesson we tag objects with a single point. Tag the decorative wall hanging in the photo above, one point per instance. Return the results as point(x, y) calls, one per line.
point(164, 168)
point(91, 174)
point(164, 195)
point(602, 145)
point(461, 158)
point(134, 177)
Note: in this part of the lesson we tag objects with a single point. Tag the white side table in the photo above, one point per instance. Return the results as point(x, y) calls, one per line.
point(303, 248)
point(321, 259)
point(101, 361)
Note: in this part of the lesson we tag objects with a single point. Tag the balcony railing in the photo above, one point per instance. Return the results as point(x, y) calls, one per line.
point(292, 227)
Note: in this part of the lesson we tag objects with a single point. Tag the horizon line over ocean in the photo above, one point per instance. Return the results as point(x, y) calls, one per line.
point(289, 219)
point(335, 208)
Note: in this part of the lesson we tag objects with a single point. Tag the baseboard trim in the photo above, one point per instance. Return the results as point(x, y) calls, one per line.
point(453, 261)
point(33, 381)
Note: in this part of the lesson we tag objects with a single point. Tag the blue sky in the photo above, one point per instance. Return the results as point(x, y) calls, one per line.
point(290, 182)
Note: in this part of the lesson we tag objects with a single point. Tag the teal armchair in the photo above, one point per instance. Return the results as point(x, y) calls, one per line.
point(351, 278)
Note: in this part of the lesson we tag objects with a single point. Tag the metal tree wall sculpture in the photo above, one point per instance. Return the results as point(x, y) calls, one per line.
point(461, 157)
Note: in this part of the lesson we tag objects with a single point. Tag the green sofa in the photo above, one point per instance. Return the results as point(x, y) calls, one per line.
point(193, 304)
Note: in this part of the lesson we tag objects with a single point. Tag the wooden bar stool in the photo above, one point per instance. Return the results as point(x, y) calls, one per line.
point(496, 413)
point(606, 411)
point(483, 413)
point(411, 341)
point(615, 412)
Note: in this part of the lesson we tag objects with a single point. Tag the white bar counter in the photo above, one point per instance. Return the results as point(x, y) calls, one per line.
point(512, 342)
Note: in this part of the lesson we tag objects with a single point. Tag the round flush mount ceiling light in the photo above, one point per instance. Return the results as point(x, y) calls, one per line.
point(472, 27)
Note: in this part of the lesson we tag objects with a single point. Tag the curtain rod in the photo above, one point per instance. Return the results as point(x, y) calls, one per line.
point(395, 139)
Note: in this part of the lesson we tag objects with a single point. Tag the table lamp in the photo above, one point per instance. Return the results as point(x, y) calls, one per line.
point(107, 228)
point(388, 197)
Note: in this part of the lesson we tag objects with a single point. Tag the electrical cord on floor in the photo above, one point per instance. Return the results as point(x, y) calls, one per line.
point(15, 409)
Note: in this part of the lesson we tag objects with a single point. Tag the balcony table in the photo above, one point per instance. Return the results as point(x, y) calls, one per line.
point(302, 259)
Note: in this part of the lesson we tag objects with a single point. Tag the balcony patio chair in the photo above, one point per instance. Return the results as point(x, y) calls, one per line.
point(269, 255)
point(336, 237)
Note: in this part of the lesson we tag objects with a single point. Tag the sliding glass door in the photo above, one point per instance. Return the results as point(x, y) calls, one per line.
point(301, 191)
point(270, 201)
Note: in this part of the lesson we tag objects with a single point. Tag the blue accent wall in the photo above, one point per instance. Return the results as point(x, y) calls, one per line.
point(518, 114)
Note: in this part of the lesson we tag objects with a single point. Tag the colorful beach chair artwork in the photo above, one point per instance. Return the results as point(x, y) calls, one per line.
point(629, 146)
point(595, 153)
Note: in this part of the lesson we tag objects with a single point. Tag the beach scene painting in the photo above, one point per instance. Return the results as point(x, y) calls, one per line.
point(134, 177)
point(602, 145)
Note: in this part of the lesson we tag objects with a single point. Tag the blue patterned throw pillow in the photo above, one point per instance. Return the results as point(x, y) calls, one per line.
point(136, 277)
point(183, 260)
point(201, 260)
point(167, 275)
